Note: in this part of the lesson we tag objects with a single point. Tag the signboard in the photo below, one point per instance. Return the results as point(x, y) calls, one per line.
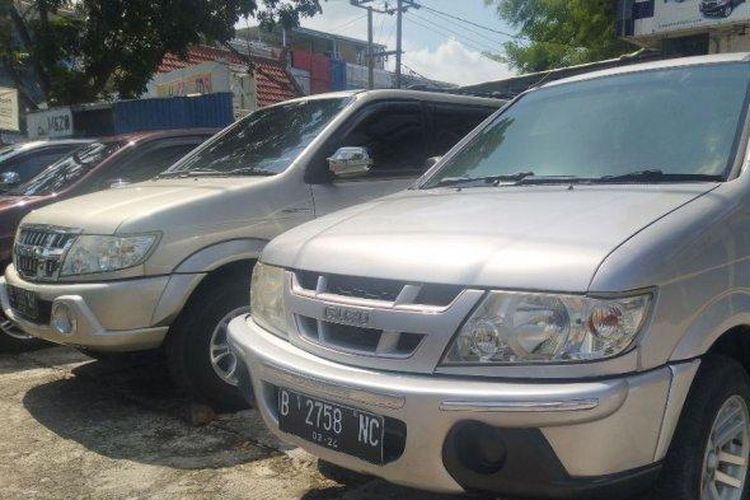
point(190, 84)
point(664, 16)
point(56, 122)
point(8, 109)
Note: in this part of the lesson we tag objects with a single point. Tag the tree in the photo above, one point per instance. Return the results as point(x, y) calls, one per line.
point(558, 33)
point(73, 51)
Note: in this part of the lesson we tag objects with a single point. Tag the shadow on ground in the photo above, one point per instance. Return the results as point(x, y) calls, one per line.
point(134, 413)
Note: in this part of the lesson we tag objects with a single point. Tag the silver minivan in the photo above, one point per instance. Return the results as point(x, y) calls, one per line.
point(559, 308)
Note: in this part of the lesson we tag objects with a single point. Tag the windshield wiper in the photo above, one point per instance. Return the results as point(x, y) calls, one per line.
point(187, 173)
point(656, 175)
point(251, 171)
point(489, 179)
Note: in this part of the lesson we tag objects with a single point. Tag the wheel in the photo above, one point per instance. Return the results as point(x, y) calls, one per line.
point(12, 339)
point(198, 355)
point(709, 453)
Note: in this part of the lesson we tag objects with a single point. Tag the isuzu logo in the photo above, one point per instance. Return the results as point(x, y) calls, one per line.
point(338, 314)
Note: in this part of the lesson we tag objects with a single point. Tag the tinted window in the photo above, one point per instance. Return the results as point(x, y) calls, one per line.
point(680, 121)
point(452, 123)
point(67, 171)
point(29, 164)
point(265, 142)
point(394, 134)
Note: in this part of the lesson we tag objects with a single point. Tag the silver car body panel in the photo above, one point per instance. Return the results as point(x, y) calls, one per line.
point(576, 417)
point(685, 243)
point(207, 222)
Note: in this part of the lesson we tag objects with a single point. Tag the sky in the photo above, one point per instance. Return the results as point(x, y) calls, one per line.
point(435, 45)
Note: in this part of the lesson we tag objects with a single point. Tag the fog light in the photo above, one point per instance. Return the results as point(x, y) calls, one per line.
point(63, 319)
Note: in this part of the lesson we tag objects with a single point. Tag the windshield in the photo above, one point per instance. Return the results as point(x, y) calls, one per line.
point(68, 170)
point(650, 126)
point(264, 143)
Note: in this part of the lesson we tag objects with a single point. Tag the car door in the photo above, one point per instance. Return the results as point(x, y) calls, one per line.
point(395, 134)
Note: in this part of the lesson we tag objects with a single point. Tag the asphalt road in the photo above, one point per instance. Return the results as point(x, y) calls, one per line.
point(76, 428)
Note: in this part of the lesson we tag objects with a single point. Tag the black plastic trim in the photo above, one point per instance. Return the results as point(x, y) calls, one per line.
point(527, 467)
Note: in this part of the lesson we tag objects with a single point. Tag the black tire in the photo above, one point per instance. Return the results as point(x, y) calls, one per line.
point(187, 346)
point(718, 379)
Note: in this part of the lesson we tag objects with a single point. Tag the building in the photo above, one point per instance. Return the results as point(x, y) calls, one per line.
point(320, 61)
point(253, 81)
point(686, 27)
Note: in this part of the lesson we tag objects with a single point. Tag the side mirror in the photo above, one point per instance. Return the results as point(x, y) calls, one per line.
point(10, 178)
point(118, 183)
point(350, 162)
point(432, 161)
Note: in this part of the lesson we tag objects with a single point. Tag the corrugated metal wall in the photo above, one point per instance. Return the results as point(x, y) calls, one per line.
point(212, 110)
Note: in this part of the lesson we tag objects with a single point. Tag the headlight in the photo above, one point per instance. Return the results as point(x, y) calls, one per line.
point(101, 254)
point(510, 327)
point(267, 304)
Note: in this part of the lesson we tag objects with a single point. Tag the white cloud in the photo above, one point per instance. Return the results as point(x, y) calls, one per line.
point(453, 62)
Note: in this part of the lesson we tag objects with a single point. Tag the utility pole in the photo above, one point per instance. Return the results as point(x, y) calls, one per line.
point(399, 19)
point(402, 6)
point(370, 55)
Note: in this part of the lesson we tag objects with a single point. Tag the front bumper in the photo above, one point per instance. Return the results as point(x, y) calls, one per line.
point(110, 316)
point(562, 438)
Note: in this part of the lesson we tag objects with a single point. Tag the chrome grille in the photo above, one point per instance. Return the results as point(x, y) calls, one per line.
point(354, 332)
point(39, 250)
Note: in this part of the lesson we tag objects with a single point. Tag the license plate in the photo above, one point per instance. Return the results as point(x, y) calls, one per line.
point(24, 302)
point(347, 430)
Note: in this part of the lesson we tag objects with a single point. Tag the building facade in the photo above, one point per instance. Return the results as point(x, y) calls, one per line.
point(686, 27)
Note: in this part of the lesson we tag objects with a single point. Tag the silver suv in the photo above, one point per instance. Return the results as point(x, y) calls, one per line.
point(166, 263)
point(561, 307)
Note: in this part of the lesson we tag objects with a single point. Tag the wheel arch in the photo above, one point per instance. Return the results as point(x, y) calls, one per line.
point(225, 260)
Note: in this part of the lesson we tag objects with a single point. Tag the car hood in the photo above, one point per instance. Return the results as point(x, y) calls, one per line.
point(147, 203)
point(521, 237)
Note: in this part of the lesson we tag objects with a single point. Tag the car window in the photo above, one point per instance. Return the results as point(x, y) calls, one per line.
point(451, 123)
point(682, 121)
point(68, 170)
point(395, 136)
point(29, 164)
point(265, 142)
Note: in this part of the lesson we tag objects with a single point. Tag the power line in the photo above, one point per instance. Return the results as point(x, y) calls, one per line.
point(466, 28)
point(458, 18)
point(452, 34)
point(459, 34)
point(351, 21)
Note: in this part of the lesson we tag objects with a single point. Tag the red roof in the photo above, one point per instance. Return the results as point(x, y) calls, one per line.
point(273, 81)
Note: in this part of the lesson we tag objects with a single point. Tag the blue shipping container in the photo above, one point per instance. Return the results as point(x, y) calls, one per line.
point(211, 110)
point(338, 74)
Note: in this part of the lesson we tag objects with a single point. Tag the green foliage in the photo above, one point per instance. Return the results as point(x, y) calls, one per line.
point(558, 33)
point(84, 50)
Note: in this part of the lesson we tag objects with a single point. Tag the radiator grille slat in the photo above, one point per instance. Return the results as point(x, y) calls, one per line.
point(38, 251)
point(335, 334)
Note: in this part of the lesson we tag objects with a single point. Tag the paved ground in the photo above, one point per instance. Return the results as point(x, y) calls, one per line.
point(76, 428)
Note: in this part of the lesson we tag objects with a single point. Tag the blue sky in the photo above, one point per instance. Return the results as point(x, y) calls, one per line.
point(435, 45)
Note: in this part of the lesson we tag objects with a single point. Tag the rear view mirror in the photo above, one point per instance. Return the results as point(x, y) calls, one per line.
point(10, 178)
point(350, 162)
point(432, 161)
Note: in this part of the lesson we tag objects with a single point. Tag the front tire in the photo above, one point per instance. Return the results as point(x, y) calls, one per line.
point(709, 454)
point(199, 359)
